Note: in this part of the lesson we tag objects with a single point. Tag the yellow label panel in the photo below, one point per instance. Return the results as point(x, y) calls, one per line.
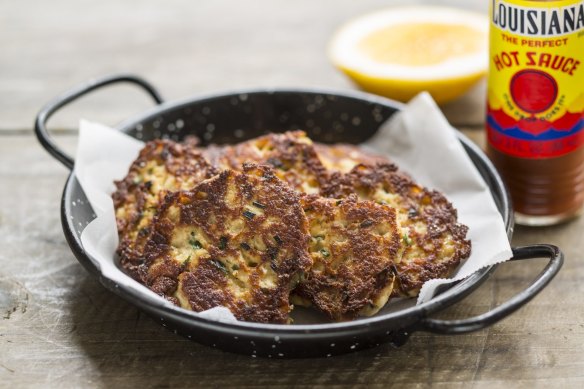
point(536, 76)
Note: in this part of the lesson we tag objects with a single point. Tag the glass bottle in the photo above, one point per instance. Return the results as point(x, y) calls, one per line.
point(535, 123)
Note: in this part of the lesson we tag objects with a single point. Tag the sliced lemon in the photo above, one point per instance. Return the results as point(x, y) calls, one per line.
point(399, 52)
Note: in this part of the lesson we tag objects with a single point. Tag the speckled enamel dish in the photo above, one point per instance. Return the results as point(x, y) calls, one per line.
point(326, 116)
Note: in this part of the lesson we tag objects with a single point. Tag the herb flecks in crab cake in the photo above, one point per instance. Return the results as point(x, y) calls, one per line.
point(239, 240)
point(434, 242)
point(291, 155)
point(162, 167)
point(354, 245)
point(245, 225)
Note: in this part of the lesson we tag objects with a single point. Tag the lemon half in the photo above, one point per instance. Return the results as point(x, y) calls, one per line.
point(399, 52)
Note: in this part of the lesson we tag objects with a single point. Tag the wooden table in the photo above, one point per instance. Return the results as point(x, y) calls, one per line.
point(60, 328)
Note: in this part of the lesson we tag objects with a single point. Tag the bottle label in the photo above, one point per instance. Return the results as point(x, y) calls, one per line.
point(536, 77)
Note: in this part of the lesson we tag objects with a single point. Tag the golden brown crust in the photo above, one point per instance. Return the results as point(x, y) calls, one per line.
point(162, 166)
point(205, 228)
point(343, 157)
point(237, 240)
point(434, 242)
point(291, 154)
point(354, 245)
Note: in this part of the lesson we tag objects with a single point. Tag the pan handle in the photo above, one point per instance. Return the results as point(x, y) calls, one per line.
point(556, 259)
point(48, 110)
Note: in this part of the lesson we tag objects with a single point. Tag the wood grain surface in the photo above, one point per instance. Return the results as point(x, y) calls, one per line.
point(184, 47)
point(60, 328)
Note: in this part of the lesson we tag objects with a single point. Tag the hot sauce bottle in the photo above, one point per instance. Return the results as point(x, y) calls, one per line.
point(535, 122)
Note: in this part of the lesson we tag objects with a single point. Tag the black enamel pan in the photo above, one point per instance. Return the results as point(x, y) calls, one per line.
point(326, 116)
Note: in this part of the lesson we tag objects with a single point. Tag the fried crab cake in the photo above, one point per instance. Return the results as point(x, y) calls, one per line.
point(344, 157)
point(162, 166)
point(434, 242)
point(354, 246)
point(291, 154)
point(239, 240)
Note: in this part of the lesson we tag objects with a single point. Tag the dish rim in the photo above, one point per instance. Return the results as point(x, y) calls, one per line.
point(449, 296)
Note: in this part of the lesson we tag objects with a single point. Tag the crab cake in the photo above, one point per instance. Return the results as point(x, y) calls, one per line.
point(354, 245)
point(342, 157)
point(162, 166)
point(291, 154)
point(239, 240)
point(434, 242)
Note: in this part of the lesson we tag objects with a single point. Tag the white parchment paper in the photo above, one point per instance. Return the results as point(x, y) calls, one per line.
point(418, 139)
